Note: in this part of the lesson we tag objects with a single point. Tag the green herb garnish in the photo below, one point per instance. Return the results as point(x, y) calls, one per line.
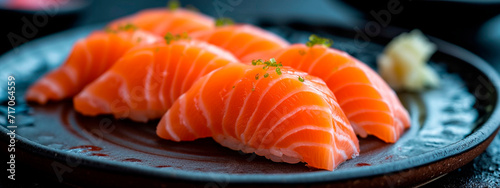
point(169, 37)
point(272, 60)
point(257, 76)
point(223, 21)
point(266, 75)
point(315, 40)
point(301, 79)
point(126, 27)
point(257, 62)
point(271, 63)
point(173, 4)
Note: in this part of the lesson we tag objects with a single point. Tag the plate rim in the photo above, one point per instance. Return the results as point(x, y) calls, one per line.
point(472, 140)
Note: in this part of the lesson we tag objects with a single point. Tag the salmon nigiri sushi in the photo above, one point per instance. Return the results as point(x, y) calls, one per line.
point(89, 58)
point(245, 41)
point(282, 114)
point(371, 106)
point(161, 21)
point(145, 82)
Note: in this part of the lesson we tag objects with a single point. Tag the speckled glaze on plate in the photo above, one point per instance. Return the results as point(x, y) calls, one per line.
point(451, 126)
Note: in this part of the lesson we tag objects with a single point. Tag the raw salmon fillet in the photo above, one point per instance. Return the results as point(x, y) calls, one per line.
point(89, 58)
point(279, 117)
point(161, 21)
point(371, 106)
point(145, 82)
point(246, 42)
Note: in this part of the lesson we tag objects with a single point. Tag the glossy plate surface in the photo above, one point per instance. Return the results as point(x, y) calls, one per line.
point(454, 118)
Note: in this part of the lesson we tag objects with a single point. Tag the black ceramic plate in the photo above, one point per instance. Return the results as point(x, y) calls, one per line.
point(451, 125)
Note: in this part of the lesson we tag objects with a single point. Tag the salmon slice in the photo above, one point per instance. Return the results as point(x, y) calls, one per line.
point(145, 82)
point(246, 42)
point(371, 106)
point(276, 116)
point(161, 21)
point(89, 58)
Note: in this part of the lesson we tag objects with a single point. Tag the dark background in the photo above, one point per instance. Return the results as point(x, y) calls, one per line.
point(473, 25)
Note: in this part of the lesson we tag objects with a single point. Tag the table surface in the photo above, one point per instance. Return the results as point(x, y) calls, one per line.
point(483, 171)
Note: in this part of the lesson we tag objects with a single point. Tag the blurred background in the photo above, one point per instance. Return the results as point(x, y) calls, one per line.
point(471, 24)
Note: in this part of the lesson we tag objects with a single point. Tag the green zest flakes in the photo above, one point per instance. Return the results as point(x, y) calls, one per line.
point(223, 21)
point(169, 37)
point(271, 63)
point(257, 62)
point(301, 79)
point(126, 27)
point(173, 4)
point(278, 71)
point(315, 40)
